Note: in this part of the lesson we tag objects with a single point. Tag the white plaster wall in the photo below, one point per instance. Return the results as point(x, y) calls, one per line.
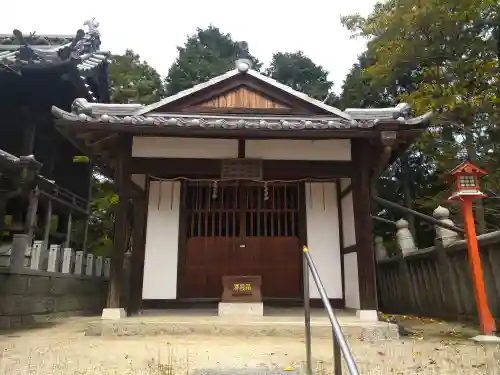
point(193, 148)
point(162, 237)
point(139, 180)
point(351, 281)
point(298, 149)
point(323, 237)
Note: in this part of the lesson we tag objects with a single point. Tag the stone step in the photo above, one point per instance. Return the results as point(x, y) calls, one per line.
point(137, 326)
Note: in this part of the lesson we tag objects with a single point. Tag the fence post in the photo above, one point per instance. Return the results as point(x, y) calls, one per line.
point(89, 266)
point(107, 267)
point(67, 260)
point(407, 246)
point(447, 277)
point(37, 256)
point(53, 265)
point(98, 266)
point(79, 263)
point(380, 250)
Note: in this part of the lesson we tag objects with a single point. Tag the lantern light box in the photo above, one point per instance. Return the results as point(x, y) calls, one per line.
point(465, 178)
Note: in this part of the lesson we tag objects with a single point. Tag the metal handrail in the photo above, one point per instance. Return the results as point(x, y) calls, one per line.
point(339, 341)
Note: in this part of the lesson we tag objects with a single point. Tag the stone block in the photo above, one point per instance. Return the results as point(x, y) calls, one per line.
point(38, 285)
point(28, 320)
point(4, 322)
point(64, 285)
point(40, 305)
point(367, 315)
point(241, 309)
point(68, 303)
point(113, 314)
point(14, 284)
point(13, 304)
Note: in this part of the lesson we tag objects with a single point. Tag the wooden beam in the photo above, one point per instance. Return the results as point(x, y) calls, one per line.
point(138, 250)
point(361, 190)
point(345, 191)
point(122, 176)
point(211, 168)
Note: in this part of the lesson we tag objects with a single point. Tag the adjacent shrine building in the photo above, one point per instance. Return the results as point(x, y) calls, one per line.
point(231, 177)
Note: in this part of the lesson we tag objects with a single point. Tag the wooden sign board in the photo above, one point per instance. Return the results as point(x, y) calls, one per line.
point(241, 289)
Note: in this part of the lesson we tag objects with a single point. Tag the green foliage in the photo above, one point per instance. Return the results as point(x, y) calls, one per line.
point(101, 222)
point(300, 73)
point(206, 54)
point(441, 56)
point(133, 80)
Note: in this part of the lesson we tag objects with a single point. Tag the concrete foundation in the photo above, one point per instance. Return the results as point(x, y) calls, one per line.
point(285, 322)
point(241, 309)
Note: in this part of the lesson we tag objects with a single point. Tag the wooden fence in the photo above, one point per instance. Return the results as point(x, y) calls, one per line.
point(436, 281)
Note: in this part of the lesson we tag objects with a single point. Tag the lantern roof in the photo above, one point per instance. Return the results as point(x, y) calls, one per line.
point(466, 167)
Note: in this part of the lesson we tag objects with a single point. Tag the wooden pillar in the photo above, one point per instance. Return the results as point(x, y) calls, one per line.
point(30, 222)
point(138, 249)
point(29, 129)
point(361, 191)
point(3, 207)
point(121, 177)
point(69, 224)
point(89, 198)
point(48, 224)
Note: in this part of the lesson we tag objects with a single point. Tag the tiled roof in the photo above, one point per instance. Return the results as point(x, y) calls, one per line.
point(17, 50)
point(131, 114)
point(244, 66)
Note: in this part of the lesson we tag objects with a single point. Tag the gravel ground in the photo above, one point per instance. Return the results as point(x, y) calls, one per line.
point(63, 349)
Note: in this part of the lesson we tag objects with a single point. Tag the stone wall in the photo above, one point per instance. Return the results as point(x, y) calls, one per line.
point(30, 296)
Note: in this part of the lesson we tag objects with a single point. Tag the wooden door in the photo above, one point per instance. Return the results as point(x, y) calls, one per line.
point(242, 229)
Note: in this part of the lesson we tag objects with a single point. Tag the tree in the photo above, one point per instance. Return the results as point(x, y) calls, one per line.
point(133, 80)
point(440, 56)
point(206, 54)
point(302, 74)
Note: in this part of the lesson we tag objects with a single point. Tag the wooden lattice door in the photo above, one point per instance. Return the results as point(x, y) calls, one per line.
point(242, 228)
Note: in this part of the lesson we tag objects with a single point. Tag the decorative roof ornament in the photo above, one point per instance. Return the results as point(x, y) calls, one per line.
point(34, 49)
point(243, 65)
point(91, 42)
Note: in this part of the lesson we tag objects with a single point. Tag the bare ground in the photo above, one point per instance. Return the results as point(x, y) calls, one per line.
point(62, 349)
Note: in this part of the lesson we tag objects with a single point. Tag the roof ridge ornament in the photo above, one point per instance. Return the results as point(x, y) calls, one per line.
point(243, 65)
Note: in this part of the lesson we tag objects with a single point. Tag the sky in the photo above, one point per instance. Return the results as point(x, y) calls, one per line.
point(154, 29)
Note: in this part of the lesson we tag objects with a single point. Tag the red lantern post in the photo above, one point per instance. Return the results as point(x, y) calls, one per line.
point(466, 179)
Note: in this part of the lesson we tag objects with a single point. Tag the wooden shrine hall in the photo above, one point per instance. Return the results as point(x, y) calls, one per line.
point(43, 192)
point(235, 175)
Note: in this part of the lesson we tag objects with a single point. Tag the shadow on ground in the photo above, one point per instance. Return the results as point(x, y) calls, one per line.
point(422, 327)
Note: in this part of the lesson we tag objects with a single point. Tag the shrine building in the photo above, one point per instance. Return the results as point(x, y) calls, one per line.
point(232, 177)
